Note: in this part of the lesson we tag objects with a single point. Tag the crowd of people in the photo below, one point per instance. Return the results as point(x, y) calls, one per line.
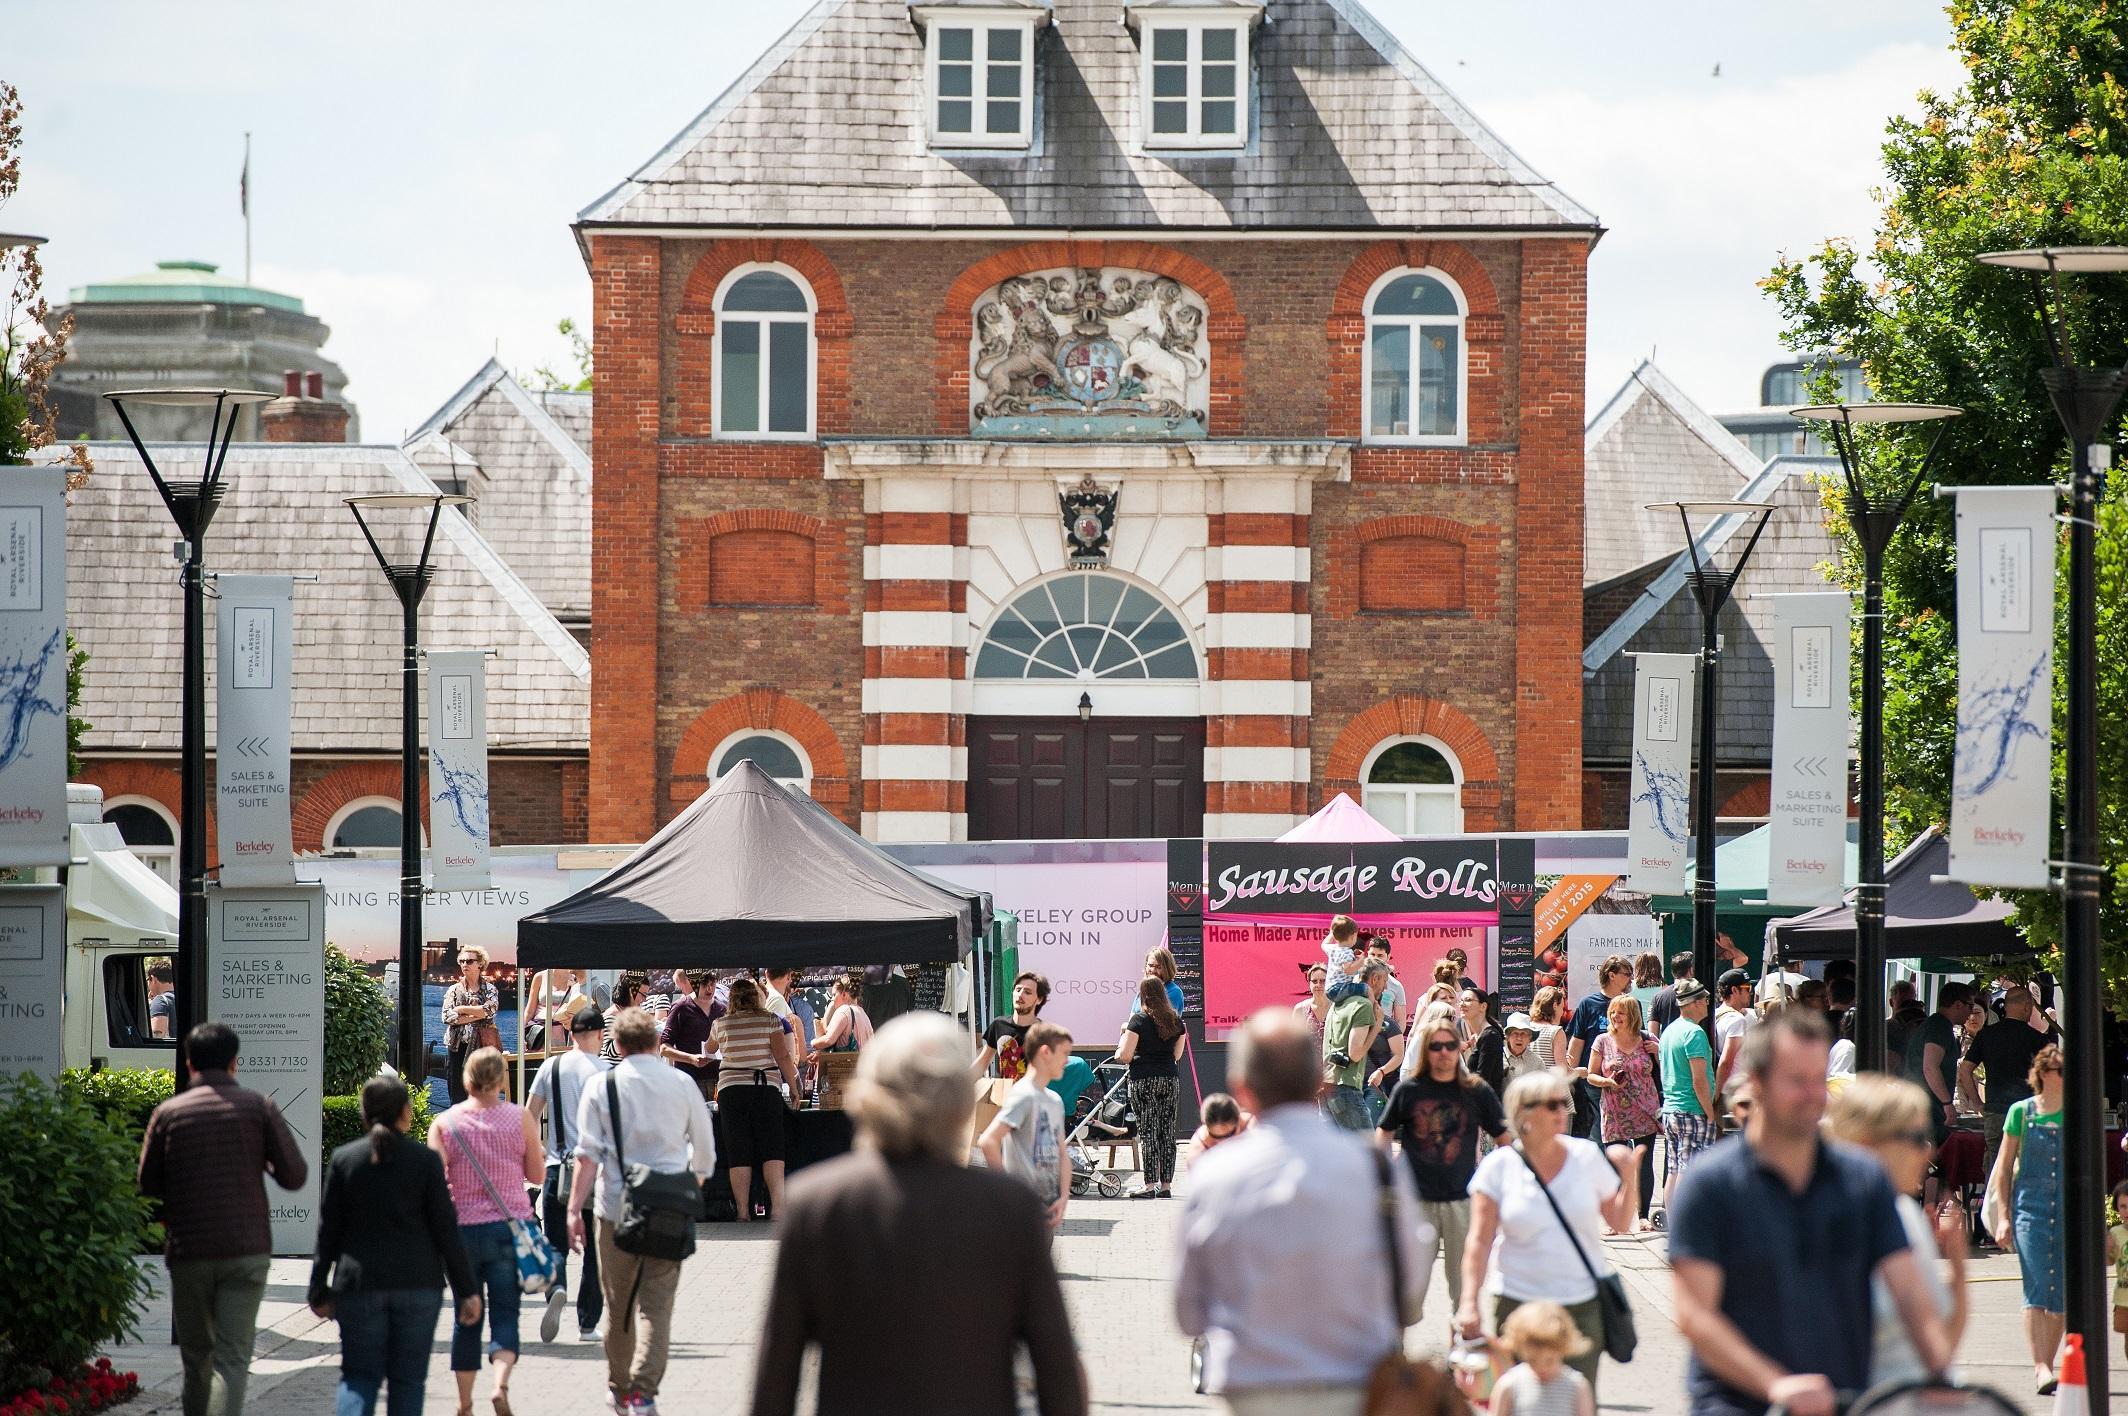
point(1804, 1242)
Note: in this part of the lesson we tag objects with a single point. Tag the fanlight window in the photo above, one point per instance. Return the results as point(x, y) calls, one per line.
point(1087, 627)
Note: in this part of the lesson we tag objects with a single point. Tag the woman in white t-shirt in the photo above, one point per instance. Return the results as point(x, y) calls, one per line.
point(1515, 1233)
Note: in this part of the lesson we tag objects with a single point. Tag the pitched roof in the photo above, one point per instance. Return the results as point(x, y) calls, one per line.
point(534, 488)
point(1645, 613)
point(283, 513)
point(1348, 131)
point(1650, 443)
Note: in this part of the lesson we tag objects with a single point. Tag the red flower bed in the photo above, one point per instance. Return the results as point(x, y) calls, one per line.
point(91, 1389)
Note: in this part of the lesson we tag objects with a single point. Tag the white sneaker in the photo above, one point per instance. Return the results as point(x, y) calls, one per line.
point(587, 1334)
point(550, 1322)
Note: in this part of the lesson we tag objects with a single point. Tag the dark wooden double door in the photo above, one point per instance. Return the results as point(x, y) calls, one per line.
point(1060, 778)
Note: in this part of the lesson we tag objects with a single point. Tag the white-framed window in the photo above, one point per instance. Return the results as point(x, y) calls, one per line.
point(1414, 786)
point(1086, 626)
point(1417, 365)
point(763, 370)
point(149, 831)
point(777, 754)
point(371, 821)
point(1195, 79)
point(981, 79)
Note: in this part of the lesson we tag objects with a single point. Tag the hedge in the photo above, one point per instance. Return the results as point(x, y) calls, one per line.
point(343, 1121)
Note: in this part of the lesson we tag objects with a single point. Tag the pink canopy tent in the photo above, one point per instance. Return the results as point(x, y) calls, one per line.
point(1342, 821)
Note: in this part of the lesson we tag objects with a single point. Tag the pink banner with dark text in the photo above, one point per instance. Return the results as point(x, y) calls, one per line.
point(1257, 961)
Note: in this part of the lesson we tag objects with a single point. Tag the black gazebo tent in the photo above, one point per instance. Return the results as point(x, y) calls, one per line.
point(1926, 917)
point(753, 875)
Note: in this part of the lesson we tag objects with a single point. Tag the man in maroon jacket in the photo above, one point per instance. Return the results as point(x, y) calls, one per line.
point(203, 1156)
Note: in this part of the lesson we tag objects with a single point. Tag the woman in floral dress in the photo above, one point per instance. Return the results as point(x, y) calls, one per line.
point(1622, 1068)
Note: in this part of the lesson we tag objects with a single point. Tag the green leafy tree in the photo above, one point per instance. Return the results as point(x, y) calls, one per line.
point(2032, 149)
point(358, 1024)
point(546, 380)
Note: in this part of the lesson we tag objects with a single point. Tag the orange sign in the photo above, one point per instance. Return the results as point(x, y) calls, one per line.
point(1568, 901)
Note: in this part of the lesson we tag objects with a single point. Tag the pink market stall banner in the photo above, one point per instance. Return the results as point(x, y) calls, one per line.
point(1258, 962)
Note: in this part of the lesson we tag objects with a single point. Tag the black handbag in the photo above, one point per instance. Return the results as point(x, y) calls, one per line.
point(1619, 1336)
point(658, 1207)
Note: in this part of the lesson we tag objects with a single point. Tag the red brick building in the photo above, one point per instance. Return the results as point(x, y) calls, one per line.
point(1089, 419)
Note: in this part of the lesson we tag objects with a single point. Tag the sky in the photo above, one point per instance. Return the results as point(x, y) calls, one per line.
point(415, 168)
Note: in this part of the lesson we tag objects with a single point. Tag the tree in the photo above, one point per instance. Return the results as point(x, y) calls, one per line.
point(545, 380)
point(2031, 150)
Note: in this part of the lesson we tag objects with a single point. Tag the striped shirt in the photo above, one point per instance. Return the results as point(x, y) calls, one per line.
point(746, 1045)
point(496, 1137)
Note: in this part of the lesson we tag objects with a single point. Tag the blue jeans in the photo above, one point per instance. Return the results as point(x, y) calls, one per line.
point(494, 1258)
point(1347, 1107)
point(385, 1335)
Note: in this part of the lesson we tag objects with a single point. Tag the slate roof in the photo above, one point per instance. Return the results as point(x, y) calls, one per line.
point(283, 514)
point(1650, 443)
point(533, 485)
point(1348, 131)
point(1650, 611)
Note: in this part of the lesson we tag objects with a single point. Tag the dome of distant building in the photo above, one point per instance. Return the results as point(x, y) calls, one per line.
point(183, 324)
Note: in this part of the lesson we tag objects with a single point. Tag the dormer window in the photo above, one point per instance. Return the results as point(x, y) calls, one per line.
point(980, 65)
point(1195, 73)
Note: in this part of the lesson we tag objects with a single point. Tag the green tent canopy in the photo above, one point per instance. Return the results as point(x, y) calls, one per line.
point(1741, 867)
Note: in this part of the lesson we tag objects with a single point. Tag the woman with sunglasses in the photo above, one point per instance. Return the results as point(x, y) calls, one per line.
point(1515, 1229)
point(2024, 1208)
point(1890, 1117)
point(467, 1005)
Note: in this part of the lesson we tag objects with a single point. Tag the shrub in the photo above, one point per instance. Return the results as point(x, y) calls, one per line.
point(343, 1121)
point(71, 1221)
point(125, 1095)
point(358, 1024)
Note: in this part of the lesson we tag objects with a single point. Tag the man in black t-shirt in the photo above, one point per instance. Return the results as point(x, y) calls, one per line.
point(2001, 1063)
point(1004, 1040)
point(1662, 1011)
point(1932, 1053)
point(1436, 1116)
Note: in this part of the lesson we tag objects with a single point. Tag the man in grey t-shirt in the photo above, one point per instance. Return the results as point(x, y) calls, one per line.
point(1026, 1137)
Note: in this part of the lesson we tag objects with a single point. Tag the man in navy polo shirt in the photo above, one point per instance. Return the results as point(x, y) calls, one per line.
point(1774, 1237)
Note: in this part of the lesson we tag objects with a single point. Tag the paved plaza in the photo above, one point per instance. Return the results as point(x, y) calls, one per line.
point(1116, 1259)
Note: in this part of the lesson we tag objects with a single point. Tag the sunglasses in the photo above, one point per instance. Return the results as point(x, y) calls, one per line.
point(463, 962)
point(1553, 1103)
point(1443, 1047)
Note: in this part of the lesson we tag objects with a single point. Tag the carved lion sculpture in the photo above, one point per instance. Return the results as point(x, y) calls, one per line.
point(1165, 357)
point(1017, 342)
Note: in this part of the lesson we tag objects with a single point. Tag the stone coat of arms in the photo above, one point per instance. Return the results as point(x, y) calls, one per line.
point(1104, 352)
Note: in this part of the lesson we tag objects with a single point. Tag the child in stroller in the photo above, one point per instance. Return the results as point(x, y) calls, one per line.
point(1103, 1114)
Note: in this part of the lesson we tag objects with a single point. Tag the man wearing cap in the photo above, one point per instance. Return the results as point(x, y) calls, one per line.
point(1687, 1119)
point(555, 1100)
point(1731, 1020)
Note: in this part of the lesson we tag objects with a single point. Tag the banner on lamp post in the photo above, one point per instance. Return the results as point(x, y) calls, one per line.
point(2002, 774)
point(254, 657)
point(1659, 829)
point(458, 769)
point(33, 667)
point(1808, 842)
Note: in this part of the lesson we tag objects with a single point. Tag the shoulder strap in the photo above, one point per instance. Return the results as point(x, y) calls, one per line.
point(478, 1169)
point(1386, 1187)
point(561, 1131)
point(613, 1109)
point(1560, 1215)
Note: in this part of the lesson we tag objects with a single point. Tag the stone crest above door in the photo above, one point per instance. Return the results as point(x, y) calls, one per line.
point(1081, 352)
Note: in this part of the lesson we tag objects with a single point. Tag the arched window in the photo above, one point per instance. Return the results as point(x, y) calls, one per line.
point(1086, 626)
point(149, 831)
point(366, 821)
point(1414, 786)
point(772, 752)
point(764, 359)
point(1416, 363)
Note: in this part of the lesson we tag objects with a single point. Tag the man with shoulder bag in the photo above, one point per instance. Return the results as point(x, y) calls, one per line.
point(644, 1142)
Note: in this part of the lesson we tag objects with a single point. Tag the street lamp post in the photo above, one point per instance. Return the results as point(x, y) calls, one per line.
point(409, 581)
point(2086, 400)
point(1711, 586)
point(1874, 520)
point(192, 506)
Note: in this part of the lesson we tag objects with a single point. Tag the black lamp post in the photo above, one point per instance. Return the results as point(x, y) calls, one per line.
point(192, 506)
point(409, 581)
point(2087, 401)
point(1874, 520)
point(1711, 583)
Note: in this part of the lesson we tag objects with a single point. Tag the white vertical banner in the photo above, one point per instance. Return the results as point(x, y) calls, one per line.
point(1660, 827)
point(33, 951)
point(458, 769)
point(254, 658)
point(2002, 776)
point(1807, 854)
point(33, 667)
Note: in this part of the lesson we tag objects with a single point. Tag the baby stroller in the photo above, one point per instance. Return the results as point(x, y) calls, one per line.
point(1100, 1119)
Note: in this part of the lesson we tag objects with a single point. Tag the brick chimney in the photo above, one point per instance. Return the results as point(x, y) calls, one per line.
point(303, 414)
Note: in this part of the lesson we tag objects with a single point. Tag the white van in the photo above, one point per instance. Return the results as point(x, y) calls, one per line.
point(121, 943)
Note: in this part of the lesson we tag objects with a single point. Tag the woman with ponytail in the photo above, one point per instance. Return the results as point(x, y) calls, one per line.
point(387, 1237)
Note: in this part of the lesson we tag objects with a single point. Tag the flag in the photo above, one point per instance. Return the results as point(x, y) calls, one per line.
point(243, 183)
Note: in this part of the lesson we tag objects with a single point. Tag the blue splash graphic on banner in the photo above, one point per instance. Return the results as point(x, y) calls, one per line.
point(1668, 794)
point(22, 697)
point(2001, 718)
point(465, 793)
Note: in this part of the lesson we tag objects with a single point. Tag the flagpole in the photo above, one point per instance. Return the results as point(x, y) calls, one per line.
point(245, 190)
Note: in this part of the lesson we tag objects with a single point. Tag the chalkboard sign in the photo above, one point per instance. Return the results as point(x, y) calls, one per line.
point(1186, 942)
point(1185, 921)
point(1518, 923)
